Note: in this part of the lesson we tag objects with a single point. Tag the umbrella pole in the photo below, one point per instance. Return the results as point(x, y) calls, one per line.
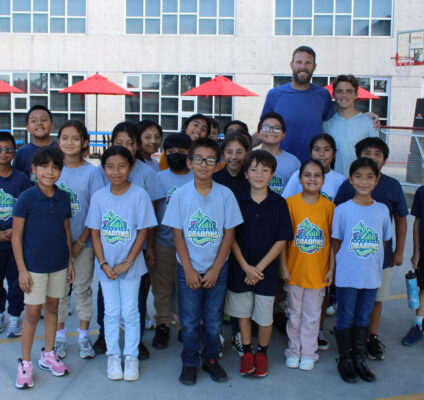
point(220, 107)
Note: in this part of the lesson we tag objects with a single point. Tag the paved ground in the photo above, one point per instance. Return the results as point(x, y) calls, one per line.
point(400, 374)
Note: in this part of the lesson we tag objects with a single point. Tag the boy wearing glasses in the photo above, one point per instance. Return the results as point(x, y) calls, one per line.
point(271, 132)
point(12, 184)
point(203, 215)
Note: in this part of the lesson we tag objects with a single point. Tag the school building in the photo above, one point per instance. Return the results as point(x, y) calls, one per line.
point(158, 49)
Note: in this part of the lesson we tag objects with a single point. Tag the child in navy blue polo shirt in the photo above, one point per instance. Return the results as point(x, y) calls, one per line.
point(41, 241)
point(389, 192)
point(39, 123)
point(254, 266)
point(12, 184)
point(415, 334)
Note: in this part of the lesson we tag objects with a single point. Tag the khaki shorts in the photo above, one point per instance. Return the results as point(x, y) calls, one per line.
point(383, 292)
point(47, 285)
point(250, 305)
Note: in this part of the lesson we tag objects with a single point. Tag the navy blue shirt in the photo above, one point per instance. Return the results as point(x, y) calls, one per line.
point(417, 210)
point(10, 188)
point(389, 192)
point(264, 224)
point(237, 184)
point(24, 156)
point(44, 237)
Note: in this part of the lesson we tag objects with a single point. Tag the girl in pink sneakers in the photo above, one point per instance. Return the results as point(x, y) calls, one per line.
point(41, 241)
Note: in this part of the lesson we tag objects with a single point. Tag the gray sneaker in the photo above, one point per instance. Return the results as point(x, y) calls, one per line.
point(14, 329)
point(60, 346)
point(2, 324)
point(85, 348)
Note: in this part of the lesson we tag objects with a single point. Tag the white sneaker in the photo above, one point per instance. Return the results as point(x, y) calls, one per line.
point(86, 348)
point(60, 346)
point(114, 368)
point(14, 329)
point(131, 369)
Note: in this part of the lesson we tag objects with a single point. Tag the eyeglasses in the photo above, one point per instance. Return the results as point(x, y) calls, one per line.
point(267, 128)
point(7, 150)
point(199, 161)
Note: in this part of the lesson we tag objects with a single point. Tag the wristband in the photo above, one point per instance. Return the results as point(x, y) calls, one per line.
point(131, 262)
point(82, 244)
point(101, 263)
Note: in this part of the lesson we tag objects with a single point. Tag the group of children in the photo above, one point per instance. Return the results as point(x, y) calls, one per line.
point(217, 225)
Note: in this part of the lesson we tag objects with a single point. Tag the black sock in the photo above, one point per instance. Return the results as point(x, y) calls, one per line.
point(247, 348)
point(262, 349)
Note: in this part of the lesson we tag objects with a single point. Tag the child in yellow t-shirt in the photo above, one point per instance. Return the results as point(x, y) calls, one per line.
point(307, 265)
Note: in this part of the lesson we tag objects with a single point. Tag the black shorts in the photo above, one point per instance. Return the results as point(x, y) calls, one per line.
point(420, 272)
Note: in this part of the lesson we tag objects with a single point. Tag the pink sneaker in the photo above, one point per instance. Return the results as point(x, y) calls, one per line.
point(49, 361)
point(24, 378)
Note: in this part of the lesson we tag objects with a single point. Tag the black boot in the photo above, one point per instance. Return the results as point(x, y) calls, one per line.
point(360, 335)
point(344, 362)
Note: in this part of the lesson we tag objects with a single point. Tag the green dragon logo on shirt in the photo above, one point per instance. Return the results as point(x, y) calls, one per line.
point(309, 237)
point(364, 241)
point(326, 196)
point(6, 205)
point(75, 203)
point(202, 230)
point(114, 228)
point(276, 184)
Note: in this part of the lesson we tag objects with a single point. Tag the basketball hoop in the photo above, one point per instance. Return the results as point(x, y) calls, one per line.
point(403, 65)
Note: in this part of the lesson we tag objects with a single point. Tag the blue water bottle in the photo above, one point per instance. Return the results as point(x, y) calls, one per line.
point(412, 290)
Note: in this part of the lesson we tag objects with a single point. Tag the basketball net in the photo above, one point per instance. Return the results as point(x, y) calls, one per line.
point(403, 65)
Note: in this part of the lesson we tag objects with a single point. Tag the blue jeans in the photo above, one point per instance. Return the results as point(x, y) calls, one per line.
point(354, 307)
point(14, 295)
point(199, 305)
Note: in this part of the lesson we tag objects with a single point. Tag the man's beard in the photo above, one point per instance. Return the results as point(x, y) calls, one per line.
point(300, 81)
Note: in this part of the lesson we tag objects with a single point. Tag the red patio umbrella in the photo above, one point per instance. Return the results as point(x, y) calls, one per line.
point(219, 86)
point(363, 94)
point(6, 88)
point(96, 84)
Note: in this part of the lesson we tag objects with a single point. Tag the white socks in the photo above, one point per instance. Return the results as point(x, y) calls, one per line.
point(419, 320)
point(61, 334)
point(82, 333)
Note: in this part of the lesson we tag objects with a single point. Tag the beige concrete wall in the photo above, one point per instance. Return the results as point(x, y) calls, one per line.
point(254, 54)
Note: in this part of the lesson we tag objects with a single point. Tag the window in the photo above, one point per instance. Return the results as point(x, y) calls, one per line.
point(39, 88)
point(184, 17)
point(380, 86)
point(158, 97)
point(333, 17)
point(43, 16)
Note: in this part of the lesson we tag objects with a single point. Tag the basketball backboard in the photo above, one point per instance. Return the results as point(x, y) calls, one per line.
point(410, 47)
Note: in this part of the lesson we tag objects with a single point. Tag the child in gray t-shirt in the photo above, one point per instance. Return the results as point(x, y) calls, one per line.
point(203, 215)
point(361, 227)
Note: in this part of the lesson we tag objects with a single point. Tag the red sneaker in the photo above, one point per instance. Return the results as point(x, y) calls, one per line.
point(247, 364)
point(261, 364)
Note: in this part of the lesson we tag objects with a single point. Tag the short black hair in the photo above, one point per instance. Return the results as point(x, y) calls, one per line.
point(177, 140)
point(130, 128)
point(147, 123)
point(46, 154)
point(372, 142)
point(6, 136)
point(80, 127)
point(197, 116)
point(261, 157)
point(204, 142)
point(236, 122)
point(311, 161)
point(364, 162)
point(304, 49)
point(117, 150)
point(274, 115)
point(236, 136)
point(38, 107)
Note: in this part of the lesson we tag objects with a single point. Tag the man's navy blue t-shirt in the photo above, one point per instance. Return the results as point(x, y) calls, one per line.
point(10, 189)
point(44, 237)
point(24, 156)
point(264, 224)
point(237, 184)
point(389, 192)
point(417, 210)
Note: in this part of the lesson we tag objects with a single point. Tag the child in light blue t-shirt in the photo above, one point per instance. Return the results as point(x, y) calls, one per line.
point(203, 215)
point(79, 179)
point(361, 227)
point(119, 217)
